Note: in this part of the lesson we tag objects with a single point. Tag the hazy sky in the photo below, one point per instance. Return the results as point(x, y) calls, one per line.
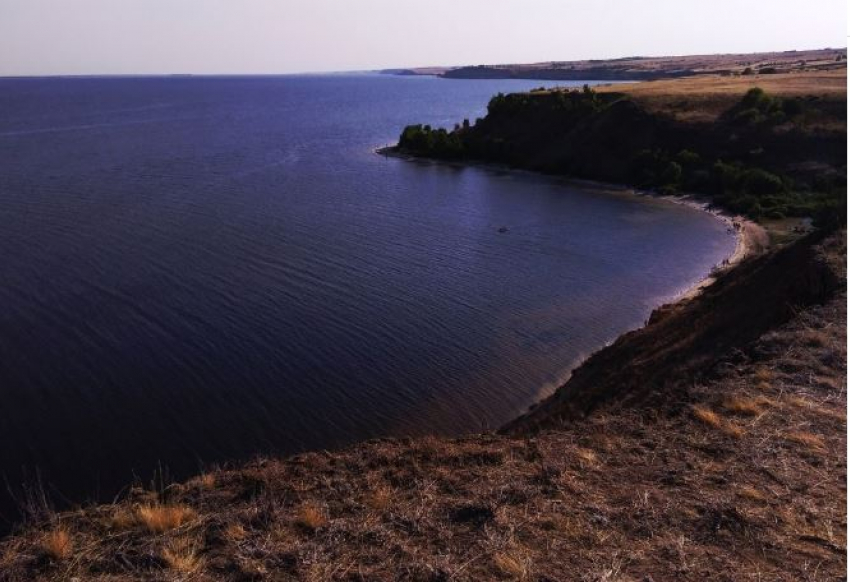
point(40, 37)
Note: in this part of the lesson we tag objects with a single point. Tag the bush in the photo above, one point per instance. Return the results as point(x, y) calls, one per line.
point(671, 175)
point(757, 107)
point(687, 158)
point(761, 183)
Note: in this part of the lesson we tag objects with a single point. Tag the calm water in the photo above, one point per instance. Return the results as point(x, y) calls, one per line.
point(202, 269)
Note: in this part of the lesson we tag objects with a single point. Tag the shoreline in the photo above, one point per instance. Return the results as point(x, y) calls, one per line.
point(751, 238)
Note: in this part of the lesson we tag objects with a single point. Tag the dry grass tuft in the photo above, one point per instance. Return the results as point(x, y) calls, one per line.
point(162, 518)
point(746, 406)
point(122, 519)
point(235, 532)
point(57, 544)
point(379, 498)
point(512, 565)
point(751, 493)
point(310, 517)
point(733, 430)
point(808, 439)
point(763, 377)
point(815, 338)
point(797, 401)
point(181, 555)
point(587, 457)
point(206, 481)
point(707, 416)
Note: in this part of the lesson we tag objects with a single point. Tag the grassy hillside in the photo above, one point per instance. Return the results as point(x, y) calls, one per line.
point(764, 154)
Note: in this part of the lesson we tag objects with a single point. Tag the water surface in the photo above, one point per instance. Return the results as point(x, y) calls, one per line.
point(202, 269)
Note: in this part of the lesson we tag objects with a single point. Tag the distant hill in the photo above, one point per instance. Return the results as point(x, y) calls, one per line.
point(645, 68)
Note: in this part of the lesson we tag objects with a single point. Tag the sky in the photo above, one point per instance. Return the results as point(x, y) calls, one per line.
point(74, 37)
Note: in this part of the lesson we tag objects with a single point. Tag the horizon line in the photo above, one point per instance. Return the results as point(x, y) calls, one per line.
point(400, 68)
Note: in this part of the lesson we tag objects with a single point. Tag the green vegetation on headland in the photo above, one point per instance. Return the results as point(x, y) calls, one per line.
point(766, 156)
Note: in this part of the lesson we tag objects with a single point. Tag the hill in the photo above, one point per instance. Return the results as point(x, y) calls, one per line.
point(644, 68)
point(764, 154)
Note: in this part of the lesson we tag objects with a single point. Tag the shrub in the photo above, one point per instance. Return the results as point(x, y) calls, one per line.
point(672, 174)
point(687, 158)
point(760, 182)
point(757, 107)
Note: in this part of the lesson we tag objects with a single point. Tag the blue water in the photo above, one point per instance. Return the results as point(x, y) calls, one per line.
point(195, 270)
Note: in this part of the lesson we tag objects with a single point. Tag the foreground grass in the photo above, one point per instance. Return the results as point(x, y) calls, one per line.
point(738, 477)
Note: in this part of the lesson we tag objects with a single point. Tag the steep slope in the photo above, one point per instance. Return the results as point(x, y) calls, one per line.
point(682, 342)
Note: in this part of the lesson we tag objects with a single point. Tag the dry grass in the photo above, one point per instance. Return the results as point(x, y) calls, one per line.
point(703, 98)
point(815, 338)
point(797, 401)
point(181, 554)
point(235, 532)
point(751, 493)
point(162, 518)
point(733, 430)
point(205, 481)
point(57, 544)
point(122, 518)
point(791, 84)
point(812, 441)
point(380, 498)
point(763, 374)
point(746, 406)
point(513, 565)
point(586, 457)
point(707, 416)
point(310, 517)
